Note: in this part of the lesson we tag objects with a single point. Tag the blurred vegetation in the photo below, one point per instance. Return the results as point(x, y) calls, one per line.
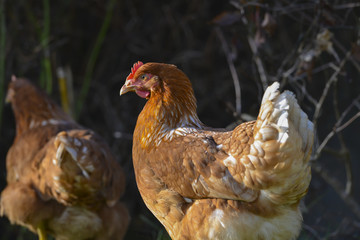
point(231, 50)
point(2, 55)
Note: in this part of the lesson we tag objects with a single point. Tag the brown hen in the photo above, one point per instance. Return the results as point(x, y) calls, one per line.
point(205, 183)
point(62, 178)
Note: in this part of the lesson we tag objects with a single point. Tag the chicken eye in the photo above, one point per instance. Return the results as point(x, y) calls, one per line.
point(143, 77)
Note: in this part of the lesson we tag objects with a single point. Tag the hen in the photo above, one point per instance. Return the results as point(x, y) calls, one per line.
point(205, 183)
point(62, 178)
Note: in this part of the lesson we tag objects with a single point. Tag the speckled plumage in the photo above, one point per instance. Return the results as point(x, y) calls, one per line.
point(204, 183)
point(62, 178)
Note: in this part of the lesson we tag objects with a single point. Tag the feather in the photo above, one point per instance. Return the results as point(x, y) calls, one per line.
point(205, 183)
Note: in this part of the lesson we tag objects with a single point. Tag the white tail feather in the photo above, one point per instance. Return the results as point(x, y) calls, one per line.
point(281, 170)
point(284, 108)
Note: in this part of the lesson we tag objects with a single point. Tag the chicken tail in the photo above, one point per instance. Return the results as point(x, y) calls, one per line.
point(278, 160)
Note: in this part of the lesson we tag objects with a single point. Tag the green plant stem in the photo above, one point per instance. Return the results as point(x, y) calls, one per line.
point(45, 47)
point(2, 55)
point(93, 57)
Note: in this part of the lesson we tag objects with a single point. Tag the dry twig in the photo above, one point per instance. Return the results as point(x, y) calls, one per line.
point(252, 44)
point(336, 185)
point(232, 68)
point(332, 79)
point(338, 127)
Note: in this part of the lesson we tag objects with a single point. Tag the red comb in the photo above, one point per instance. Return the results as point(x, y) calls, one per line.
point(134, 69)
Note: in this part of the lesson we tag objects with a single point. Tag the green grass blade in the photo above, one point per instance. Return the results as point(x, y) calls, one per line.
point(2, 56)
point(93, 57)
point(47, 74)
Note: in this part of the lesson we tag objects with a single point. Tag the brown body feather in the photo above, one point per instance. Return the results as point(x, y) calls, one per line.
point(61, 176)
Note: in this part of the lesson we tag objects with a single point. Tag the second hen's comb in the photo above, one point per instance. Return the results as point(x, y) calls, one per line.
point(134, 69)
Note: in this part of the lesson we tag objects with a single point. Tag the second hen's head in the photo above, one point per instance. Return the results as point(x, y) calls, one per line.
point(31, 106)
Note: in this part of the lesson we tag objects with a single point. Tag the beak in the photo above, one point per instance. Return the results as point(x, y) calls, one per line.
point(128, 87)
point(10, 93)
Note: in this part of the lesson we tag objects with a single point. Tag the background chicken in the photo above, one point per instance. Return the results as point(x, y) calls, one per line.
point(62, 178)
point(204, 183)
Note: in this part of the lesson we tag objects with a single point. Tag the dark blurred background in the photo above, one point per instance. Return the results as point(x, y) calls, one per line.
point(311, 47)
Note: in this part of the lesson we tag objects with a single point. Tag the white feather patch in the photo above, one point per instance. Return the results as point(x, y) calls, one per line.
point(230, 161)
